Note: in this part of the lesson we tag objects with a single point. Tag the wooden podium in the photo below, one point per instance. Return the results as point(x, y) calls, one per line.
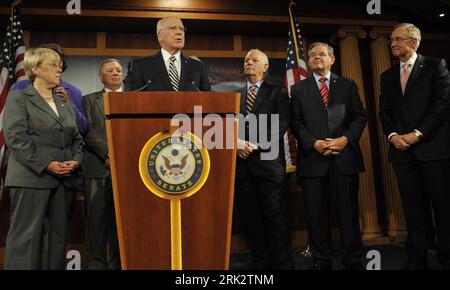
point(144, 219)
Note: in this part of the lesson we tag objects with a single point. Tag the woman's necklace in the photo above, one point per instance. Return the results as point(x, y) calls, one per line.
point(48, 99)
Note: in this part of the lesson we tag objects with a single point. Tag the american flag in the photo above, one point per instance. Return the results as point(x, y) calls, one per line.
point(11, 70)
point(296, 71)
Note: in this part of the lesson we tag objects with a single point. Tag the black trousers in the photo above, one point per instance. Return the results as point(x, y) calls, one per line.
point(38, 231)
point(419, 183)
point(100, 225)
point(261, 206)
point(341, 191)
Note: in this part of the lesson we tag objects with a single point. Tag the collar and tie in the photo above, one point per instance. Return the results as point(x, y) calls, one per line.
point(251, 96)
point(173, 74)
point(404, 76)
point(324, 90)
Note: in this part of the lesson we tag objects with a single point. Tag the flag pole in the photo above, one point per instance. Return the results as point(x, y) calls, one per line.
point(294, 35)
point(16, 2)
point(306, 252)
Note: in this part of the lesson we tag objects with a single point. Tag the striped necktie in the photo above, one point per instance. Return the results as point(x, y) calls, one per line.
point(324, 90)
point(173, 74)
point(251, 96)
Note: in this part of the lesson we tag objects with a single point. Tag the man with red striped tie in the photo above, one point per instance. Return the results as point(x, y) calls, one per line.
point(328, 118)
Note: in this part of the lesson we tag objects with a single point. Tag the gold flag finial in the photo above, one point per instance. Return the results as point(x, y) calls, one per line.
point(292, 3)
point(15, 3)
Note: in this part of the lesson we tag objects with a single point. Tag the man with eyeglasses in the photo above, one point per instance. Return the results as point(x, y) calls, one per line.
point(414, 115)
point(168, 69)
point(328, 119)
point(261, 182)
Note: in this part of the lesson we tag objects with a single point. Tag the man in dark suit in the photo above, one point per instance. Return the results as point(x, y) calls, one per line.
point(100, 222)
point(328, 119)
point(169, 69)
point(414, 116)
point(260, 181)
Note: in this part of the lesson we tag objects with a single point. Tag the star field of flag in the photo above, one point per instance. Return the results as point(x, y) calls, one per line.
point(12, 42)
point(11, 70)
point(291, 62)
point(296, 71)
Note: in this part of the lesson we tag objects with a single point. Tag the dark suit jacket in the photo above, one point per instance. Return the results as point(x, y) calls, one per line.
point(271, 99)
point(423, 107)
point(35, 136)
point(152, 71)
point(311, 122)
point(96, 142)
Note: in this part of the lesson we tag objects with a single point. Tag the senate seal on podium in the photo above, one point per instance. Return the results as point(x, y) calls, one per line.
point(174, 166)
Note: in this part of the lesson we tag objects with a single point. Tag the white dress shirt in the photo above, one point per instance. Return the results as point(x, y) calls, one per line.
point(317, 78)
point(109, 91)
point(258, 85)
point(411, 61)
point(166, 56)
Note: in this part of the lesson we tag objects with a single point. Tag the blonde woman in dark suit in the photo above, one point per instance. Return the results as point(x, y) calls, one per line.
point(46, 148)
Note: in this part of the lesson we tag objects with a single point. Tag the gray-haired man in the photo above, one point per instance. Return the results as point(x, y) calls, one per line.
point(100, 225)
point(414, 116)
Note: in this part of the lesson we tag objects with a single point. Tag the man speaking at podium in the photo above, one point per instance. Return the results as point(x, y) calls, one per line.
point(168, 69)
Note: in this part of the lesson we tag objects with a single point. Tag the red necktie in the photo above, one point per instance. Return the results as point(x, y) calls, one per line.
point(324, 90)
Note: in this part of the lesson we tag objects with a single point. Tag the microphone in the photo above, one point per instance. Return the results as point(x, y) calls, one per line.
point(193, 84)
point(194, 58)
point(147, 83)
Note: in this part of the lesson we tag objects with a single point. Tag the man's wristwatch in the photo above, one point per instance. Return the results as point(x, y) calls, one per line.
point(417, 134)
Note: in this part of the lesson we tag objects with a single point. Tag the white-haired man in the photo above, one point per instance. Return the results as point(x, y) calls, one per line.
point(168, 69)
point(261, 183)
point(414, 109)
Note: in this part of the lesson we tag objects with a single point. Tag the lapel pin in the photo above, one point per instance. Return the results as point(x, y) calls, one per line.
point(334, 81)
point(62, 105)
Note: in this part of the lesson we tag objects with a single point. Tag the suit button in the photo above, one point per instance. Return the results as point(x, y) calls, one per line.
point(60, 130)
point(62, 148)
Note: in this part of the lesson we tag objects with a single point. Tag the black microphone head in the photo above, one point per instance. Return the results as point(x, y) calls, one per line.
point(147, 83)
point(193, 84)
point(195, 58)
